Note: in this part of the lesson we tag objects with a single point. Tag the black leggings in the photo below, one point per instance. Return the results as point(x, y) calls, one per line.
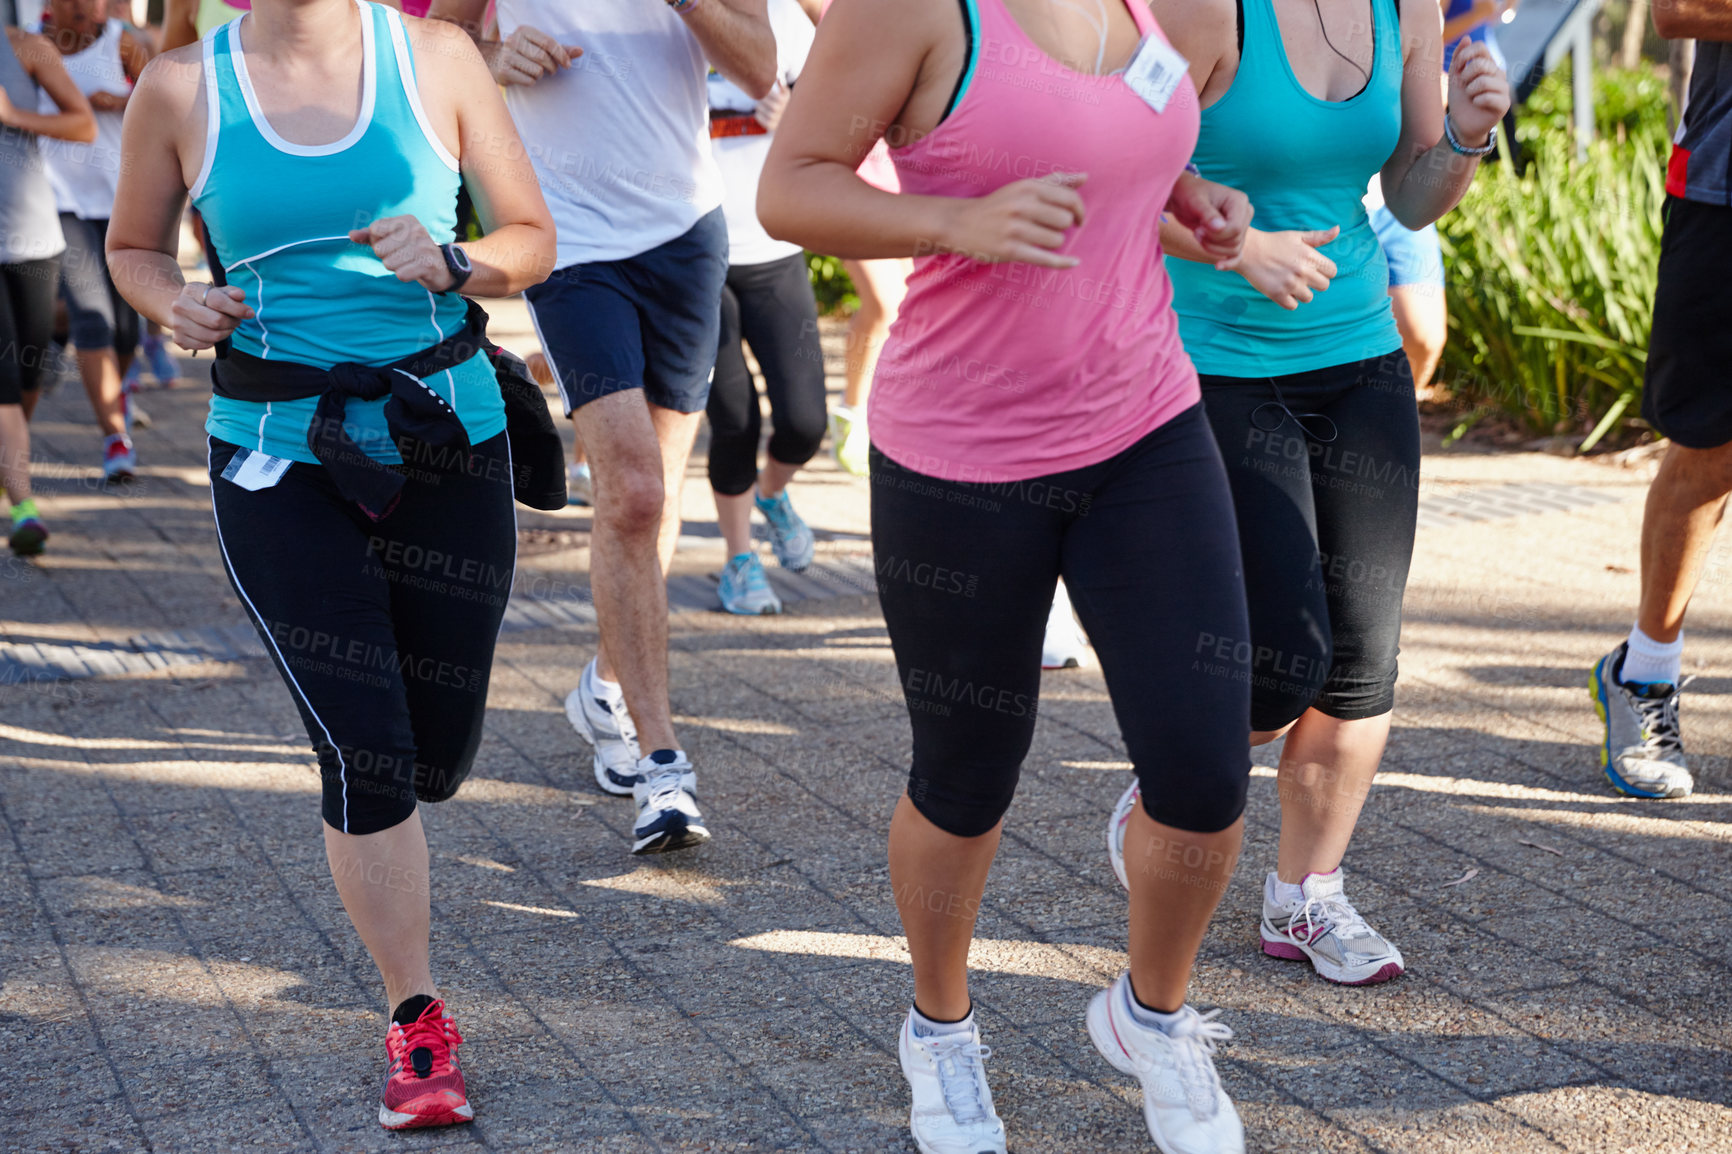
point(1146, 545)
point(771, 306)
point(97, 314)
point(1325, 473)
point(26, 325)
point(383, 631)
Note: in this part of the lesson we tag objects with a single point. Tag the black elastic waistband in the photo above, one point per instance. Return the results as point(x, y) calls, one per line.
point(241, 376)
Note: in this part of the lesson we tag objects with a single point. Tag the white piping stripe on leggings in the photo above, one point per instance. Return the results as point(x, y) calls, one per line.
point(342, 766)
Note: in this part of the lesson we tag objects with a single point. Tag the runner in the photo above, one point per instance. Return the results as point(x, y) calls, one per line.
point(610, 97)
point(1034, 415)
point(104, 60)
point(323, 142)
point(768, 301)
point(1311, 397)
point(30, 248)
point(1687, 397)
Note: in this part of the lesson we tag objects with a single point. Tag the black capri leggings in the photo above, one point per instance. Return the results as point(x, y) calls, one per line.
point(771, 306)
point(383, 630)
point(26, 325)
point(1145, 543)
point(97, 314)
point(1325, 473)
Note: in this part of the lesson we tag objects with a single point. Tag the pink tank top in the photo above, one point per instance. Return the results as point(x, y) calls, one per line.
point(1003, 372)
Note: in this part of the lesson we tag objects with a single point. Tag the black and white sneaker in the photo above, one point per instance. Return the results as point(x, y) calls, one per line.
point(667, 804)
point(600, 718)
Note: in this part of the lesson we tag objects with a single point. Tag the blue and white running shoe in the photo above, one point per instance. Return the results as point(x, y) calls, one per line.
point(790, 538)
point(667, 804)
point(1643, 750)
point(599, 715)
point(745, 588)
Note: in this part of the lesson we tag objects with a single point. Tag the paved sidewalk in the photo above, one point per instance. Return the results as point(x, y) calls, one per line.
point(176, 973)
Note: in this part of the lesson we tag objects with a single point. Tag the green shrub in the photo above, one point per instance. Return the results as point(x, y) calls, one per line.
point(1551, 273)
point(830, 284)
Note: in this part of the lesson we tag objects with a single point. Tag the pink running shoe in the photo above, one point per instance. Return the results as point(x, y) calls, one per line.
point(423, 1084)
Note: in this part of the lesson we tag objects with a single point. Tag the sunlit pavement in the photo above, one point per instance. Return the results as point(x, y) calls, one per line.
point(179, 975)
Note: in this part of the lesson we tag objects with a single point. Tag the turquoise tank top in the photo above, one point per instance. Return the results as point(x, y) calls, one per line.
point(279, 215)
point(1304, 163)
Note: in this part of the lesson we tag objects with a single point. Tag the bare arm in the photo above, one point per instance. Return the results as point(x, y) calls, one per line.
point(516, 249)
point(134, 55)
point(882, 66)
point(1693, 19)
point(39, 58)
point(737, 41)
point(1424, 177)
point(144, 232)
point(179, 24)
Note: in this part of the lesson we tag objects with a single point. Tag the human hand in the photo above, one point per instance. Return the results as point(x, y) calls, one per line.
point(107, 102)
point(203, 315)
point(770, 108)
point(1218, 216)
point(404, 246)
point(527, 55)
point(1286, 266)
point(1024, 221)
point(1479, 93)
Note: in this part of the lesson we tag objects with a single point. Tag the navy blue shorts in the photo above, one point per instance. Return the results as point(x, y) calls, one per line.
point(651, 321)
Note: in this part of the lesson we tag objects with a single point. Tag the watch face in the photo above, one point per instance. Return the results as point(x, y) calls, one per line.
point(458, 258)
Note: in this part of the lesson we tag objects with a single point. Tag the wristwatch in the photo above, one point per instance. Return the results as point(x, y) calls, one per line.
point(457, 261)
point(1490, 144)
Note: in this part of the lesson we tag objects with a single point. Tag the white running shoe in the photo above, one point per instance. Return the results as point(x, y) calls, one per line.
point(1065, 647)
point(579, 485)
point(1116, 830)
point(1643, 750)
point(667, 804)
point(952, 1111)
point(1184, 1105)
point(600, 718)
point(1325, 928)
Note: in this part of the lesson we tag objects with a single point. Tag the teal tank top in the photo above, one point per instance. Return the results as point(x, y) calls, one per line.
point(279, 216)
point(1304, 163)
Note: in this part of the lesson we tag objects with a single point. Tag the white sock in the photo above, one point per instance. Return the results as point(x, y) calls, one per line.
point(925, 1027)
point(1284, 893)
point(1153, 1019)
point(1648, 660)
point(600, 684)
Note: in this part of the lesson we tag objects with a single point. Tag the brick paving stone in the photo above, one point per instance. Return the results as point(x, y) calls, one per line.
point(177, 974)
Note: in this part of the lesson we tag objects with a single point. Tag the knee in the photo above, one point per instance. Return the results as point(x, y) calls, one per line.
point(91, 331)
point(436, 783)
point(629, 501)
point(797, 441)
point(1282, 690)
point(1210, 798)
point(1707, 473)
point(964, 805)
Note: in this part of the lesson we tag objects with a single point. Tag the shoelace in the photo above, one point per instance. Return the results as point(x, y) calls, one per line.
point(1660, 731)
point(665, 789)
point(437, 1035)
point(1194, 1039)
point(1331, 912)
point(959, 1059)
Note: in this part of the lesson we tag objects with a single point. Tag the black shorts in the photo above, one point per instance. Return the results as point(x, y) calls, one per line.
point(1687, 395)
point(651, 321)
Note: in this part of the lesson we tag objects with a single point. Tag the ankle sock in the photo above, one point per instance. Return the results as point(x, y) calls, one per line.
point(24, 510)
point(411, 1009)
point(600, 684)
point(1285, 893)
point(1149, 1016)
point(1648, 661)
point(925, 1027)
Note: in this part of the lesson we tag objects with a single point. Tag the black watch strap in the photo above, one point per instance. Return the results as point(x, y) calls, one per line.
point(457, 261)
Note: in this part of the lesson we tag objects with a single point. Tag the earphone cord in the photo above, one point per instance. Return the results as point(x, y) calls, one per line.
point(1325, 30)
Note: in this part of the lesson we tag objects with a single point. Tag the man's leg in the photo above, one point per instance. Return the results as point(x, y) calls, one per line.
point(1422, 318)
point(627, 576)
point(1685, 505)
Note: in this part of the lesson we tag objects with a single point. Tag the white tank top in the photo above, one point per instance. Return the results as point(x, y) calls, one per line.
point(85, 176)
point(620, 140)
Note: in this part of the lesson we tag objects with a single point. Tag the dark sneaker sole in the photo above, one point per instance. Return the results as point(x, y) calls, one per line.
point(28, 544)
point(668, 841)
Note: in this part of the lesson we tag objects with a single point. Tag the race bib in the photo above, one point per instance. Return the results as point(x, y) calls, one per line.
point(254, 471)
point(1155, 71)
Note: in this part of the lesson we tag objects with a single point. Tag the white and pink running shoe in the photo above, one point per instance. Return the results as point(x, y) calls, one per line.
point(1324, 928)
